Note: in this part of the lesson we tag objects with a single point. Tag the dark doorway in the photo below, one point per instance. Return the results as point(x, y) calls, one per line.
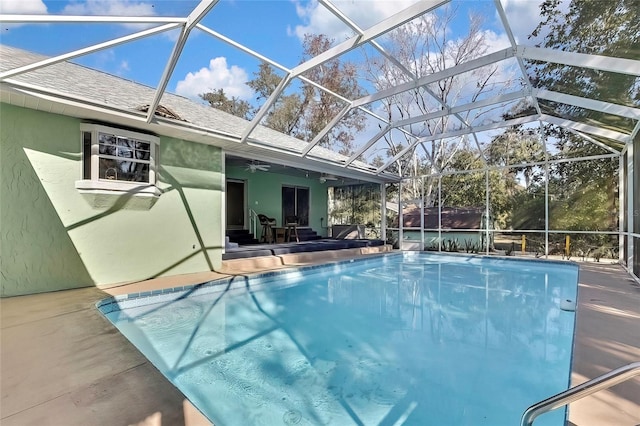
point(235, 204)
point(295, 202)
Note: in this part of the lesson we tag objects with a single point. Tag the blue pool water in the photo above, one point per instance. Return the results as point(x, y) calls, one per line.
point(407, 338)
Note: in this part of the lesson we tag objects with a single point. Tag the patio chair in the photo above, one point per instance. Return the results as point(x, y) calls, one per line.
point(267, 228)
point(291, 223)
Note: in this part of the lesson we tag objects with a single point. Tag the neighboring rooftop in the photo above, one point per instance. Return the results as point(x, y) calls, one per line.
point(450, 218)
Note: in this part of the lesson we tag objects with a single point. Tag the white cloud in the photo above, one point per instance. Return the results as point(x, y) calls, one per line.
point(123, 68)
point(496, 41)
point(524, 16)
point(365, 14)
point(117, 8)
point(217, 76)
point(109, 7)
point(35, 7)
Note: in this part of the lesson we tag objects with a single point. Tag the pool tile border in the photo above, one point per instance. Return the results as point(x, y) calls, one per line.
point(130, 300)
point(124, 301)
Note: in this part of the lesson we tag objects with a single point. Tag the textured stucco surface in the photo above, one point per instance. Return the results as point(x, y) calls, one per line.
point(53, 238)
point(37, 253)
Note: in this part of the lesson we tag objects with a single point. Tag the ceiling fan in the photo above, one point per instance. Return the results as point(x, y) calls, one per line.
point(325, 177)
point(253, 167)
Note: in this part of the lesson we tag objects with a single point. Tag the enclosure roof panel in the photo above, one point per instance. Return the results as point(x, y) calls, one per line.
point(391, 78)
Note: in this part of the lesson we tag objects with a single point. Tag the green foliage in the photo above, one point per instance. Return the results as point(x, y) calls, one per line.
point(219, 100)
point(528, 210)
point(355, 204)
point(306, 112)
point(603, 27)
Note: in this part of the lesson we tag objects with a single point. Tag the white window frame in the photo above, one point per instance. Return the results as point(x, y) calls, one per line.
point(94, 183)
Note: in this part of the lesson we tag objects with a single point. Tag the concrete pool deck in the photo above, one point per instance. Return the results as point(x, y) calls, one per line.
point(62, 363)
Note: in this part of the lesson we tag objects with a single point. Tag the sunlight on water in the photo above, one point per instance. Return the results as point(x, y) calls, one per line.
point(415, 339)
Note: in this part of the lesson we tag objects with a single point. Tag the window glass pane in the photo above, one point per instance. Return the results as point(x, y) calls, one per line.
point(129, 171)
point(288, 202)
point(86, 155)
point(142, 150)
point(131, 148)
point(107, 144)
point(302, 206)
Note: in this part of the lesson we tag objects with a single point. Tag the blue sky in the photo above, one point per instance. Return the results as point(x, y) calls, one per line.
point(273, 28)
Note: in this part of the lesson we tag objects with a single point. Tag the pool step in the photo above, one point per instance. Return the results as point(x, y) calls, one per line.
point(241, 236)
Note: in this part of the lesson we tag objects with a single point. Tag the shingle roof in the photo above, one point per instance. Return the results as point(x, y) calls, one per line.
point(83, 83)
point(451, 217)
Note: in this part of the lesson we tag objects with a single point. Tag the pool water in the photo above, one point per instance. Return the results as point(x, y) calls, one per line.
point(408, 338)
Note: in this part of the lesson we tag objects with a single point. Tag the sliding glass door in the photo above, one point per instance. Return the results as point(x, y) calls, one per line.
point(295, 202)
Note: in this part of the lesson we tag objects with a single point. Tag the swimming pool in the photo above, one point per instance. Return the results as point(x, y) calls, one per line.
point(406, 338)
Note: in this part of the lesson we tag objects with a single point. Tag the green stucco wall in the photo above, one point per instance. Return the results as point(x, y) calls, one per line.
point(264, 195)
point(52, 238)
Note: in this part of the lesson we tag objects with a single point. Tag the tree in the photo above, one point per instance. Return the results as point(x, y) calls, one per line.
point(516, 146)
point(286, 113)
point(609, 28)
point(219, 100)
point(305, 112)
point(424, 46)
point(320, 107)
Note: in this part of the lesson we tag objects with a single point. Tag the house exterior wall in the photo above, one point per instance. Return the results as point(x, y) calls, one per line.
point(264, 195)
point(53, 238)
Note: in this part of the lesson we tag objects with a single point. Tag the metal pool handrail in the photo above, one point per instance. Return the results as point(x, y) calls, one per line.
point(561, 399)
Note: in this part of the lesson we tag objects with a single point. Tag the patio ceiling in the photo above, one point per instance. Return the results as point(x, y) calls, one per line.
point(252, 141)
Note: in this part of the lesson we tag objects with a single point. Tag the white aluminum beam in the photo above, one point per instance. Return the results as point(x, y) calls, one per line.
point(431, 78)
point(326, 130)
point(241, 47)
point(587, 103)
point(287, 70)
point(635, 132)
point(508, 97)
point(199, 12)
point(375, 31)
point(586, 128)
point(86, 50)
point(367, 145)
point(267, 60)
point(265, 108)
point(583, 60)
point(347, 21)
point(461, 132)
point(491, 126)
point(512, 40)
point(398, 64)
point(83, 19)
point(393, 60)
point(593, 141)
point(531, 164)
point(194, 17)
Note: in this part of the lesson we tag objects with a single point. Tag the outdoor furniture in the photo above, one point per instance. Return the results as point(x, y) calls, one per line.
point(291, 223)
point(267, 228)
point(280, 234)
